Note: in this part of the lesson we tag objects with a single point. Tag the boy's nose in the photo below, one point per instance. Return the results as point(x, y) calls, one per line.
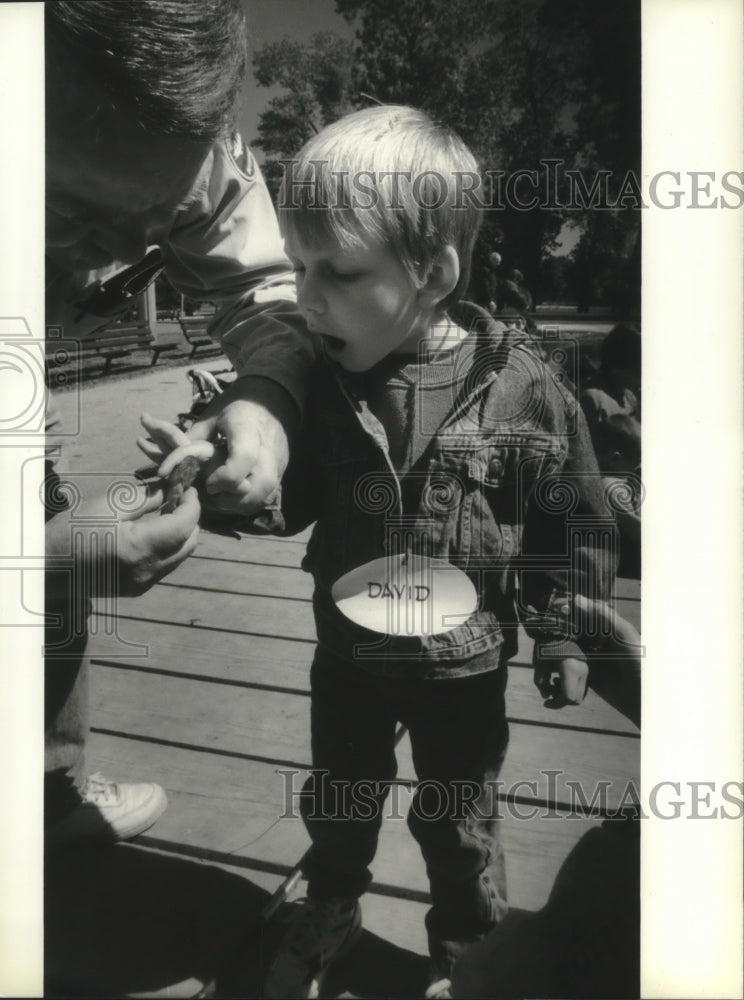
point(309, 297)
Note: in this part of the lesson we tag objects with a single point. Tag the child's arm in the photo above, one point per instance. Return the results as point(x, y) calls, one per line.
point(289, 510)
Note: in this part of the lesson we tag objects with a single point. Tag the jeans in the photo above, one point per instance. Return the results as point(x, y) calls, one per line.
point(65, 702)
point(459, 734)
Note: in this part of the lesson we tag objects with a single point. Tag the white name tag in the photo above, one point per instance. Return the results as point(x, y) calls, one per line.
point(406, 595)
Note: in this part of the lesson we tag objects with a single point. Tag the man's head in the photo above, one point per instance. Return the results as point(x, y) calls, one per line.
point(136, 93)
point(373, 208)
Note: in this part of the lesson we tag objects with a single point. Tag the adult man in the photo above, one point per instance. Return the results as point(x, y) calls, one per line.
point(139, 102)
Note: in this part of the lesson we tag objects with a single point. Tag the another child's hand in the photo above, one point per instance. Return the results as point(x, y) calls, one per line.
point(562, 681)
point(619, 637)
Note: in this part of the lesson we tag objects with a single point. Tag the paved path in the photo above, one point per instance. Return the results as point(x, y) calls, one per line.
point(107, 414)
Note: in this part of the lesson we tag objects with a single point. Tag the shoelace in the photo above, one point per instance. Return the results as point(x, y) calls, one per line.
point(97, 789)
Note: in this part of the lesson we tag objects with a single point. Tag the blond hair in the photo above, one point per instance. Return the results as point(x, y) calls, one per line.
point(388, 175)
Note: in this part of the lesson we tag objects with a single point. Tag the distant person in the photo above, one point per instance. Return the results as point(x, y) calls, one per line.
point(140, 152)
point(515, 300)
point(484, 287)
point(612, 405)
point(435, 410)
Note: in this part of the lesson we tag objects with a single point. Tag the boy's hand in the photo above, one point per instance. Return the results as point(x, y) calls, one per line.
point(239, 478)
point(562, 681)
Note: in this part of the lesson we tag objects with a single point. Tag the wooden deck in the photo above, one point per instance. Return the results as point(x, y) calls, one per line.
point(211, 700)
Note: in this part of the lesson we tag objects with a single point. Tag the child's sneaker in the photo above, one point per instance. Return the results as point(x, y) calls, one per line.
point(320, 931)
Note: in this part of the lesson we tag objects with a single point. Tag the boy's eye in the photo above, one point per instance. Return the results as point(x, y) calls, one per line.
point(346, 275)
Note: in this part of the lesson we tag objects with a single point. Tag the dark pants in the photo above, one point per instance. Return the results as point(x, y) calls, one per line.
point(459, 734)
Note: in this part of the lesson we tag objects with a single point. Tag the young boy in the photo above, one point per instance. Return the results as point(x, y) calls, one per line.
point(432, 435)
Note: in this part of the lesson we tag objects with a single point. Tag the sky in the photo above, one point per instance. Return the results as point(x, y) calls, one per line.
point(269, 21)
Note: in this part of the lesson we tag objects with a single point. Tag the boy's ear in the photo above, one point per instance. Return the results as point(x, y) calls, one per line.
point(441, 278)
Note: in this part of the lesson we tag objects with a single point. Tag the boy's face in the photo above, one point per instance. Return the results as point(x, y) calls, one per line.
point(362, 301)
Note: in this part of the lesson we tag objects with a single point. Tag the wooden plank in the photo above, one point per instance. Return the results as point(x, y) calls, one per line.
point(225, 612)
point(267, 548)
point(238, 810)
point(280, 662)
point(285, 664)
point(246, 578)
point(273, 726)
point(627, 589)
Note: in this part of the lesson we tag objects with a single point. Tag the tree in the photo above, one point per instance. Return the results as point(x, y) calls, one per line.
point(542, 80)
point(522, 83)
point(316, 78)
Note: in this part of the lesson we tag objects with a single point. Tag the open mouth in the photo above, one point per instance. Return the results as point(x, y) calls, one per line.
point(333, 343)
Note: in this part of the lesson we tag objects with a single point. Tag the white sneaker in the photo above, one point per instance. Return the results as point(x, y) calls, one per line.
point(441, 989)
point(320, 931)
point(108, 811)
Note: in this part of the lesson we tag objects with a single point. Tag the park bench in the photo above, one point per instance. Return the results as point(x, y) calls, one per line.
point(114, 342)
point(194, 329)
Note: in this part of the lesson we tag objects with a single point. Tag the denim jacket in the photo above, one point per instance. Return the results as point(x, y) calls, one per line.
point(508, 489)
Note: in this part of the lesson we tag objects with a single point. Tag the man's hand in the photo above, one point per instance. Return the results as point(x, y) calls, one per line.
point(246, 473)
point(152, 546)
point(564, 681)
point(148, 545)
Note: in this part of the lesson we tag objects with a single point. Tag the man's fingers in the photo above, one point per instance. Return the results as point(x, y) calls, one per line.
point(163, 432)
point(170, 532)
point(202, 451)
point(170, 562)
point(152, 450)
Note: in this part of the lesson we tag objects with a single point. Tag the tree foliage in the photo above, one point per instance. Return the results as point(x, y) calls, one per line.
point(522, 82)
point(316, 79)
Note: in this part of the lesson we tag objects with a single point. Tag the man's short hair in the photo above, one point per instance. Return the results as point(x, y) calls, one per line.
point(387, 174)
point(175, 65)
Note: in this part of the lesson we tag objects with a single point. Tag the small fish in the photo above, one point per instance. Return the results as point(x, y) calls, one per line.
point(178, 482)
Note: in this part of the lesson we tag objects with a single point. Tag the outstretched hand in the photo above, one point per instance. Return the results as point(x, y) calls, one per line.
point(241, 442)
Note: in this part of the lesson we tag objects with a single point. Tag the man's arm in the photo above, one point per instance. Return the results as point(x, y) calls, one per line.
point(225, 246)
